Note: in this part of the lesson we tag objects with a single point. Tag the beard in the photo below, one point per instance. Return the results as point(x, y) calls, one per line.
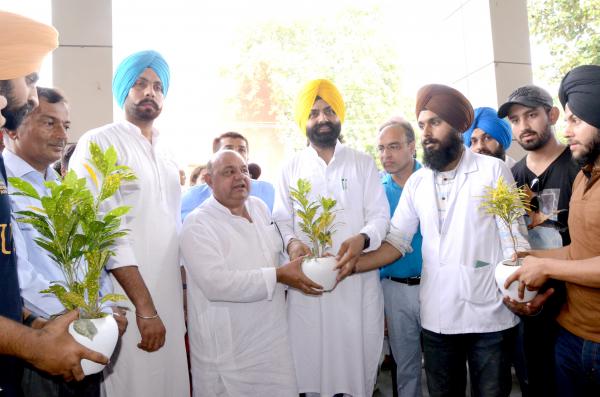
point(500, 153)
point(140, 112)
point(538, 143)
point(324, 139)
point(449, 150)
point(14, 115)
point(592, 151)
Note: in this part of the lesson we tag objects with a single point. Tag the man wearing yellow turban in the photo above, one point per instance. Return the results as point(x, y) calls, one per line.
point(462, 314)
point(336, 337)
point(151, 360)
point(23, 45)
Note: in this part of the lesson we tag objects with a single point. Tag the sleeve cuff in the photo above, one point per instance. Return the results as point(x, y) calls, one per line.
point(270, 277)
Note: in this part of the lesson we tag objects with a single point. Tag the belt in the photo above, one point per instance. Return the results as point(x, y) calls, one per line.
point(407, 280)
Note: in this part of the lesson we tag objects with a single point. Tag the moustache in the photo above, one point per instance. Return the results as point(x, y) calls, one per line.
point(148, 101)
point(528, 131)
point(429, 140)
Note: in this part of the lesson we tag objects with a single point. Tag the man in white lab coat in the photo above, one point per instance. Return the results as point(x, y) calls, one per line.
point(462, 313)
point(237, 315)
point(151, 359)
point(336, 337)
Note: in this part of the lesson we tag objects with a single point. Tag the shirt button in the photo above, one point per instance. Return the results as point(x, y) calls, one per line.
point(443, 198)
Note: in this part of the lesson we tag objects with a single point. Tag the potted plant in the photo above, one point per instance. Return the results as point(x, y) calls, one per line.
point(79, 238)
point(508, 203)
point(316, 220)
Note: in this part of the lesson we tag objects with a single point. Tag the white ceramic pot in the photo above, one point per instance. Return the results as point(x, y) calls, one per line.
point(503, 270)
point(103, 342)
point(321, 271)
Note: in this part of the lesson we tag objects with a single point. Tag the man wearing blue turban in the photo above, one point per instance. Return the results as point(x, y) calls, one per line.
point(489, 134)
point(151, 360)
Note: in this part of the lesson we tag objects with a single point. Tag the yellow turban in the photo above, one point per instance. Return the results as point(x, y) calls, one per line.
point(23, 45)
point(324, 89)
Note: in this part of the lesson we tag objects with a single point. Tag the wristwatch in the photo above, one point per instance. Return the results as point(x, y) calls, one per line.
point(367, 240)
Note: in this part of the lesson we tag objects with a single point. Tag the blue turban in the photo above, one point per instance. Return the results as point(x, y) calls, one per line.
point(132, 67)
point(487, 119)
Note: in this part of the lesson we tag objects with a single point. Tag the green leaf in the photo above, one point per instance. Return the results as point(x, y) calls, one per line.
point(25, 187)
point(113, 298)
point(85, 327)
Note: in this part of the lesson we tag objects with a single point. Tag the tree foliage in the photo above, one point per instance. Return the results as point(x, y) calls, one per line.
point(350, 48)
point(570, 29)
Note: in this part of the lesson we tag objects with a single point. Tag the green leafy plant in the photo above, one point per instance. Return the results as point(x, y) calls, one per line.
point(317, 225)
point(77, 235)
point(508, 202)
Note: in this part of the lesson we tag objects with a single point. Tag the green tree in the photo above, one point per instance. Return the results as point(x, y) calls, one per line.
point(571, 31)
point(350, 48)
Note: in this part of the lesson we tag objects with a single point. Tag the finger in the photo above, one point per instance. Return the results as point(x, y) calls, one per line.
point(93, 356)
point(68, 376)
point(522, 286)
point(311, 284)
point(343, 250)
point(510, 279)
point(63, 321)
point(78, 373)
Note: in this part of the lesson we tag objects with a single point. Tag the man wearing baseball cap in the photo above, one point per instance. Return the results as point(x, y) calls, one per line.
point(547, 172)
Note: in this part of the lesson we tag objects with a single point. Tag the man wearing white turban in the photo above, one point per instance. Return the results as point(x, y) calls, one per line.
point(150, 361)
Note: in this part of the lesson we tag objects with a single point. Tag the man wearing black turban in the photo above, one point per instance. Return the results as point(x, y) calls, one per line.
point(578, 264)
point(462, 314)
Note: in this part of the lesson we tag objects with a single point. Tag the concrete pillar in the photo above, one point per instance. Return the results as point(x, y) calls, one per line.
point(82, 65)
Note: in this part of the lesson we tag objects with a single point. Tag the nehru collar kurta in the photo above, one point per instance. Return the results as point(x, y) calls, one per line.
point(236, 310)
point(152, 245)
point(337, 337)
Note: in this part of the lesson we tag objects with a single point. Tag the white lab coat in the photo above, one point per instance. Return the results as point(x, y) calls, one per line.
point(337, 337)
point(152, 245)
point(458, 289)
point(236, 309)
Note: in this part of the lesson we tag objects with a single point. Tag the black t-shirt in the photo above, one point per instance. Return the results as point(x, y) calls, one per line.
point(553, 190)
point(10, 299)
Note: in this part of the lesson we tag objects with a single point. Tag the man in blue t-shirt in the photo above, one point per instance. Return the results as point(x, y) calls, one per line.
point(400, 279)
point(235, 141)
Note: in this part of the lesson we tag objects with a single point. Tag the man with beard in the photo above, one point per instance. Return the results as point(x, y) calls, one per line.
point(24, 44)
point(489, 135)
point(547, 172)
point(400, 279)
point(577, 264)
point(146, 265)
point(462, 313)
point(337, 337)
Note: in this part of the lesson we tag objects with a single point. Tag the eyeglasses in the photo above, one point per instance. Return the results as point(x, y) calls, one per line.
point(392, 147)
point(534, 203)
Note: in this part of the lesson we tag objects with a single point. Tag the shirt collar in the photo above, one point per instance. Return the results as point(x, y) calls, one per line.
point(212, 202)
point(138, 132)
point(20, 167)
point(339, 149)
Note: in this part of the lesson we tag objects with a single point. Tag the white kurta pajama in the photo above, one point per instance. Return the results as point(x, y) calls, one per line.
point(152, 245)
point(337, 337)
point(236, 309)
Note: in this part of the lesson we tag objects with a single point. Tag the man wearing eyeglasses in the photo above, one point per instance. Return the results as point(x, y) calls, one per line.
point(547, 172)
point(577, 347)
point(400, 279)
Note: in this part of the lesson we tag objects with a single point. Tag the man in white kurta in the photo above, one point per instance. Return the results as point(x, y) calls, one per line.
point(337, 337)
point(237, 315)
point(146, 264)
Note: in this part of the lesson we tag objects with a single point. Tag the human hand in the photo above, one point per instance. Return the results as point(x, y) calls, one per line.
point(153, 333)
point(297, 248)
point(530, 308)
point(120, 316)
point(52, 349)
point(531, 275)
point(348, 255)
point(291, 274)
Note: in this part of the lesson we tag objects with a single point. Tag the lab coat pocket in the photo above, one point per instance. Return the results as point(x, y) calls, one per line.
point(477, 284)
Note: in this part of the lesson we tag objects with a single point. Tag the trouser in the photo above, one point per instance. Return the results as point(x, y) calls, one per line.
point(577, 366)
point(488, 356)
point(404, 334)
point(37, 383)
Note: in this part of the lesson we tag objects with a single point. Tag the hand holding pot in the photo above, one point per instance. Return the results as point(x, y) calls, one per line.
point(348, 255)
point(56, 352)
point(291, 274)
point(297, 249)
point(530, 274)
point(153, 333)
point(120, 316)
point(531, 308)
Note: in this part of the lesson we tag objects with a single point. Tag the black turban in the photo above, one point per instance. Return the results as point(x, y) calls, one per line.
point(452, 106)
point(580, 88)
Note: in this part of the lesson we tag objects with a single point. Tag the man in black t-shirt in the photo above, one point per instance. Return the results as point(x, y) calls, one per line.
point(23, 45)
point(547, 172)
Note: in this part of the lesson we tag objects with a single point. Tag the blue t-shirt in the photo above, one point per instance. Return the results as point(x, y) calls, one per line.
point(198, 194)
point(410, 264)
point(10, 298)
